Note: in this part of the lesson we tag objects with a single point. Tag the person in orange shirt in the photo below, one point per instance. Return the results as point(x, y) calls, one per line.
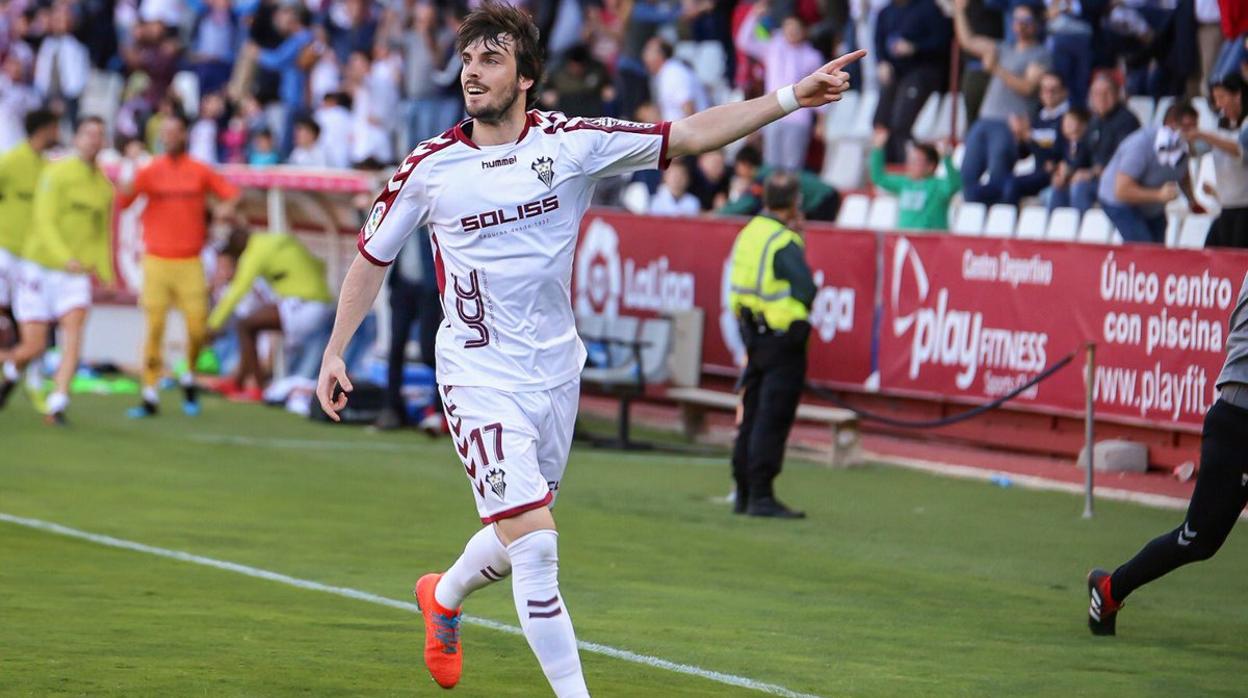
point(176, 187)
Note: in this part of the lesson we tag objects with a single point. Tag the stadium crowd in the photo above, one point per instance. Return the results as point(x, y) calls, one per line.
point(356, 83)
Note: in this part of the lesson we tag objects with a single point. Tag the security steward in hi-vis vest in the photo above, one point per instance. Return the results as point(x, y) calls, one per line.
point(772, 292)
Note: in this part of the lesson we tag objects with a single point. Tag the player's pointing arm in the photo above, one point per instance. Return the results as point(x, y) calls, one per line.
point(719, 126)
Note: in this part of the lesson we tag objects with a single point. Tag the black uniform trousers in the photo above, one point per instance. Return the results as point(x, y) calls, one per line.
point(410, 302)
point(775, 373)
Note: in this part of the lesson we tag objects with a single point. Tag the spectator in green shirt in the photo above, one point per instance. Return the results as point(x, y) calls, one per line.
point(820, 201)
point(922, 197)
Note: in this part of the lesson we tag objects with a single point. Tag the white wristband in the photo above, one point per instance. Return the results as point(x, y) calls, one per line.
point(788, 99)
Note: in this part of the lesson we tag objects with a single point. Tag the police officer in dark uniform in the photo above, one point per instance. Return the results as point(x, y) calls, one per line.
point(771, 295)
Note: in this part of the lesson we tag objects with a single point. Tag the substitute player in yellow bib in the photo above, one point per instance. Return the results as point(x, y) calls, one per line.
point(303, 307)
point(20, 168)
point(772, 291)
point(71, 240)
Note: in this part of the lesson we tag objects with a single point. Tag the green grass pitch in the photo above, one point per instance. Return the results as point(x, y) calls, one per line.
point(899, 583)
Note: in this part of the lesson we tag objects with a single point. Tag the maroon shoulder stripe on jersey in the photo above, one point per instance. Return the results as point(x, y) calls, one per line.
point(384, 203)
point(551, 122)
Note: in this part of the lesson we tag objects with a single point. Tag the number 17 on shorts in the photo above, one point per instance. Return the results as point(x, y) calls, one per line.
point(514, 445)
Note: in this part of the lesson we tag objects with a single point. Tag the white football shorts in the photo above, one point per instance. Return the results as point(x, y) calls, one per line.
point(46, 295)
point(514, 445)
point(302, 319)
point(8, 277)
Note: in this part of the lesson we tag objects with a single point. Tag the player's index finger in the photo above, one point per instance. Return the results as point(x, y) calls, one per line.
point(842, 61)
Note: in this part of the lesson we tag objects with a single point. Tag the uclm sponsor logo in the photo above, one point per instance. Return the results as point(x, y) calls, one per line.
point(942, 335)
point(489, 219)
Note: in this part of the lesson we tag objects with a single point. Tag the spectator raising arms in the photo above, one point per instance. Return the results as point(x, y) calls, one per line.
point(1016, 67)
point(786, 57)
point(1148, 172)
point(1229, 143)
point(912, 47)
point(923, 198)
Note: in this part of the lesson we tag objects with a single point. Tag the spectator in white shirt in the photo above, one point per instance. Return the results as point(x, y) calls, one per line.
point(334, 118)
point(308, 151)
point(203, 138)
point(62, 64)
point(673, 85)
point(371, 112)
point(673, 197)
point(17, 98)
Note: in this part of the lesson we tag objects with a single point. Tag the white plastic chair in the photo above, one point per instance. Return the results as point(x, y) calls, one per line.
point(844, 165)
point(883, 215)
point(1142, 106)
point(1193, 232)
point(1001, 221)
point(854, 210)
point(863, 124)
point(925, 124)
point(1095, 227)
point(969, 219)
point(1031, 223)
point(1159, 114)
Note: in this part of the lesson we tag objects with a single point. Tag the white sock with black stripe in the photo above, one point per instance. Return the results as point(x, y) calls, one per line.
point(484, 562)
point(546, 623)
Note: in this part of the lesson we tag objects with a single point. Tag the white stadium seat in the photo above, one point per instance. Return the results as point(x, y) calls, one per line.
point(1193, 232)
point(1095, 227)
point(947, 103)
point(853, 213)
point(1031, 223)
point(969, 219)
point(844, 164)
point(925, 124)
point(864, 116)
point(1001, 220)
point(883, 215)
point(1162, 105)
point(1142, 106)
point(1173, 222)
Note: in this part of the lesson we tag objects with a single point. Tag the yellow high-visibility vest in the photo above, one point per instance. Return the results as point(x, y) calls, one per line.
point(754, 285)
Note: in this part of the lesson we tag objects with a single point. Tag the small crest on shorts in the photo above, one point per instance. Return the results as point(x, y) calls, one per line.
point(495, 479)
point(545, 169)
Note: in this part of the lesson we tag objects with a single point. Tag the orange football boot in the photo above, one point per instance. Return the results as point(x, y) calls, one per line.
point(443, 654)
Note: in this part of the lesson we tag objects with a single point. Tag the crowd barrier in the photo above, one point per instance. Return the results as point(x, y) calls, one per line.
point(939, 316)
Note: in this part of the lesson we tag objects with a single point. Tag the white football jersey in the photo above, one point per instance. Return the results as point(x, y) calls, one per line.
point(504, 221)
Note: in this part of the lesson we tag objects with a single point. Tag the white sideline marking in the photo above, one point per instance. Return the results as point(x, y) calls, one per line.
point(593, 647)
point(303, 444)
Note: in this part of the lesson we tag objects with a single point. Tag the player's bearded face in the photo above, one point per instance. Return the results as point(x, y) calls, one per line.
point(491, 82)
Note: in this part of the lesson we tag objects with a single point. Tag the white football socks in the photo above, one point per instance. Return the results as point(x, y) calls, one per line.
point(57, 402)
point(10, 371)
point(546, 623)
point(484, 562)
point(150, 394)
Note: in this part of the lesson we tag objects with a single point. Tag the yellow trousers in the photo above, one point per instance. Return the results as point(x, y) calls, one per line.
point(172, 283)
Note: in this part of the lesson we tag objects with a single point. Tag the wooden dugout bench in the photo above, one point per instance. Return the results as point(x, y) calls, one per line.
point(842, 452)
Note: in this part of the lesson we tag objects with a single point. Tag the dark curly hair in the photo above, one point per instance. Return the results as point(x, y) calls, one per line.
point(493, 23)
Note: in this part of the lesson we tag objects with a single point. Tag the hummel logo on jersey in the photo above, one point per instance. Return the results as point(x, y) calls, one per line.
point(501, 162)
point(489, 219)
point(495, 479)
point(545, 169)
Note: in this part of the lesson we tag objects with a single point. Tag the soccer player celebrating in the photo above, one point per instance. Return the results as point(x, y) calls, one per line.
point(176, 187)
point(71, 239)
point(19, 173)
point(502, 194)
point(1220, 495)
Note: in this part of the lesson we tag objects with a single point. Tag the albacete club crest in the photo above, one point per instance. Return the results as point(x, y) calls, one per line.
point(495, 479)
point(545, 169)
